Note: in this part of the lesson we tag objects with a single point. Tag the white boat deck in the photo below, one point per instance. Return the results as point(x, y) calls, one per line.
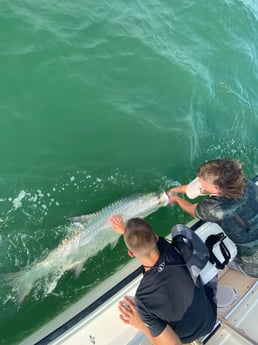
point(237, 323)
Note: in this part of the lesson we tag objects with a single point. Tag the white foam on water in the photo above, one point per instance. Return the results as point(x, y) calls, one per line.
point(39, 203)
point(40, 193)
point(17, 201)
point(33, 198)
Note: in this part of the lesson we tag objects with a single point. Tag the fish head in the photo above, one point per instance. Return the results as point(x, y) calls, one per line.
point(149, 203)
point(155, 199)
point(163, 198)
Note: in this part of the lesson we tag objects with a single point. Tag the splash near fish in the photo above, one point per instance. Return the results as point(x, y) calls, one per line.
point(89, 235)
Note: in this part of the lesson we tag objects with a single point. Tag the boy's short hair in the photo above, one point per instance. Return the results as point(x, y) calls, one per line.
point(139, 237)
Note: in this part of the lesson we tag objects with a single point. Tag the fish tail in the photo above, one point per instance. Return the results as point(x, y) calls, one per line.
point(19, 284)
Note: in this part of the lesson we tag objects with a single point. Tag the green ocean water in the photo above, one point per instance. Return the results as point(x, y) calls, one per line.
point(100, 100)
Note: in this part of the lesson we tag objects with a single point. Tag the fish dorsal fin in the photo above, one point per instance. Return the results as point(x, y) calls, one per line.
point(82, 219)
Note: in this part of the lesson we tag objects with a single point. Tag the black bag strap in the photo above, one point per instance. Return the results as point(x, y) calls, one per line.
point(244, 224)
point(210, 243)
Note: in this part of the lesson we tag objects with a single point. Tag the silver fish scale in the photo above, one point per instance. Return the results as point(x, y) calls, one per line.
point(139, 205)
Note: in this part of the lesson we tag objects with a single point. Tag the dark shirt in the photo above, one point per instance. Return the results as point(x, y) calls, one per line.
point(239, 219)
point(167, 295)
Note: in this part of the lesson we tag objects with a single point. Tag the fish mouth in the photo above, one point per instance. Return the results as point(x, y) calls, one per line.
point(163, 199)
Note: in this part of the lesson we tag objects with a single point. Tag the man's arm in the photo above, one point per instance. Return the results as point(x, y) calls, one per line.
point(184, 204)
point(129, 315)
point(178, 189)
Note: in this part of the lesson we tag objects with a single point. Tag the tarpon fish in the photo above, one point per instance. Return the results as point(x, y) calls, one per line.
point(90, 234)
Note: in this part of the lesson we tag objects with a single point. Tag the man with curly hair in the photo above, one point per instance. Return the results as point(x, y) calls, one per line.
point(231, 201)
